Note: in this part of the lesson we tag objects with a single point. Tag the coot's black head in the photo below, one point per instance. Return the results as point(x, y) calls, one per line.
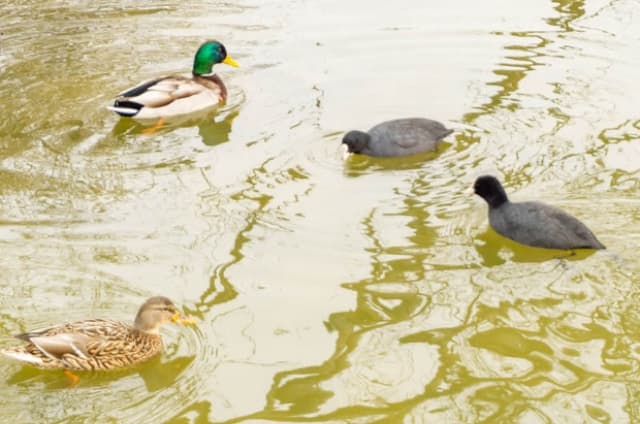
point(356, 141)
point(489, 188)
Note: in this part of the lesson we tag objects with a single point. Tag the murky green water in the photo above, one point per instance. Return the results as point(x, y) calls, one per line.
point(366, 291)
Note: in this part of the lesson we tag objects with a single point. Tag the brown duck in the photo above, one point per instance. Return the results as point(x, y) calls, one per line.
point(99, 344)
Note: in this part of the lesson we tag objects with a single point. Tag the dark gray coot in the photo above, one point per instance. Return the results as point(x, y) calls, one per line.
point(400, 137)
point(533, 223)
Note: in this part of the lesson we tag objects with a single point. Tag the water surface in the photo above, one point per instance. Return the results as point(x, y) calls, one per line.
point(326, 291)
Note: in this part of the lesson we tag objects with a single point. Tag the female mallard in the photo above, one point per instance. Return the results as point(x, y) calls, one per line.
point(175, 95)
point(99, 344)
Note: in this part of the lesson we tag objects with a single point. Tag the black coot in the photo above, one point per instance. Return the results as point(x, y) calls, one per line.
point(400, 137)
point(533, 223)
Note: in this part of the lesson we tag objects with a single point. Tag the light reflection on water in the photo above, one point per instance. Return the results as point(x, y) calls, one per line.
point(325, 290)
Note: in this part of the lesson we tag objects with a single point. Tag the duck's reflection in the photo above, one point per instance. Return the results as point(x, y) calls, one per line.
point(214, 126)
point(157, 374)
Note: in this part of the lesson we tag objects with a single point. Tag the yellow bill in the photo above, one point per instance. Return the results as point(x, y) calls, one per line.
point(229, 61)
point(187, 321)
point(178, 319)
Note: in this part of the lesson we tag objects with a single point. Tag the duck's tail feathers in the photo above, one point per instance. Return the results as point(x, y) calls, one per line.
point(24, 336)
point(21, 356)
point(124, 110)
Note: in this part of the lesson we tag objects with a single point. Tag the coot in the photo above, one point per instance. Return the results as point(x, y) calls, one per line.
point(400, 137)
point(533, 223)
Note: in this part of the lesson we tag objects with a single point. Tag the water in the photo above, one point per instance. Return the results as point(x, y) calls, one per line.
point(326, 291)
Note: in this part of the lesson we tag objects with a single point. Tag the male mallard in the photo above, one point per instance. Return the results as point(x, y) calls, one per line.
point(99, 344)
point(176, 95)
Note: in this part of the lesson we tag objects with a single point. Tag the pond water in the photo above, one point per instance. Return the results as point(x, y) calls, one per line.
point(369, 290)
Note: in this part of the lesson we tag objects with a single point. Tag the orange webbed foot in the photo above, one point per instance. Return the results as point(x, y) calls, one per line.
point(155, 128)
point(73, 379)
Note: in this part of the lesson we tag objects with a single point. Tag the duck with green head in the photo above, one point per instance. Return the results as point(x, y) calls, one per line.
point(175, 95)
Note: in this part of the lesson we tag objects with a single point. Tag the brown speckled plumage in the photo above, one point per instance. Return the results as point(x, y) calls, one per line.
point(98, 344)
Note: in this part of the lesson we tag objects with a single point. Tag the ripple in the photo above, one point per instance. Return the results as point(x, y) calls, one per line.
point(333, 291)
point(174, 372)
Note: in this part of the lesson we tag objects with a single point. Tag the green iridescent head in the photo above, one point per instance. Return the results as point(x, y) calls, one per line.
point(210, 53)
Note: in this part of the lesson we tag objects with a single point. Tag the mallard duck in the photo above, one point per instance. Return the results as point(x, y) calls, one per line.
point(175, 95)
point(400, 137)
point(533, 223)
point(99, 344)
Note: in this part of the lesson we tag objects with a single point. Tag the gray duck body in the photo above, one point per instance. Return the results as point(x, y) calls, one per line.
point(400, 137)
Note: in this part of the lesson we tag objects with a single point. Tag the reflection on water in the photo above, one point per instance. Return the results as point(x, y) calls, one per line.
point(157, 374)
point(496, 250)
point(213, 127)
point(326, 291)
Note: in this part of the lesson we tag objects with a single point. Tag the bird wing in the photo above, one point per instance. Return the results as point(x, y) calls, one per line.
point(57, 345)
point(571, 228)
point(161, 92)
point(409, 132)
point(547, 226)
point(140, 88)
point(398, 132)
point(81, 338)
